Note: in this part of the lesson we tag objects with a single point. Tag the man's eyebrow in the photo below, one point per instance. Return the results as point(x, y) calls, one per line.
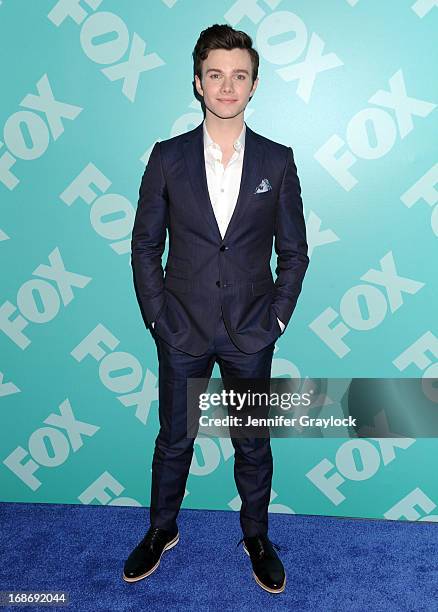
point(219, 70)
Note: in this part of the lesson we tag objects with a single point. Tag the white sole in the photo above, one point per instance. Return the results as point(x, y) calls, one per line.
point(168, 546)
point(280, 590)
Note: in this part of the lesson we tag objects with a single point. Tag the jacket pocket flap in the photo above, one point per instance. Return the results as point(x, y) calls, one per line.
point(178, 264)
point(262, 286)
point(180, 285)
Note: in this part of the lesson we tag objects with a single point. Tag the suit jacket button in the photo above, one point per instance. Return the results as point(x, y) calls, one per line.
point(218, 283)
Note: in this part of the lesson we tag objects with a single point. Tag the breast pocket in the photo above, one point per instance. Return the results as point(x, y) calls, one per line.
point(263, 194)
point(263, 200)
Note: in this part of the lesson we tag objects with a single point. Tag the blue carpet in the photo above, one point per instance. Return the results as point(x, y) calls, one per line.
point(332, 564)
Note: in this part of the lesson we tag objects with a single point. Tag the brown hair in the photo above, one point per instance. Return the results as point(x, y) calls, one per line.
point(223, 37)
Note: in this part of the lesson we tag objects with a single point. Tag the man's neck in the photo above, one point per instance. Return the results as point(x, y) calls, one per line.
point(224, 131)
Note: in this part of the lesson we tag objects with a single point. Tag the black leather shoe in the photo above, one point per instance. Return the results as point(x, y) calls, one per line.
point(267, 568)
point(145, 558)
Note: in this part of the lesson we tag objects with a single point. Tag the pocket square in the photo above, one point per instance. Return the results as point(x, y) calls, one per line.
point(265, 185)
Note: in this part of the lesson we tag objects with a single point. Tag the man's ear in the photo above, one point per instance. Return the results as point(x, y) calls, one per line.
point(198, 86)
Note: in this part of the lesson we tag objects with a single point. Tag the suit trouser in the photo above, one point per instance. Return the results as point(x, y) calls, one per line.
point(173, 451)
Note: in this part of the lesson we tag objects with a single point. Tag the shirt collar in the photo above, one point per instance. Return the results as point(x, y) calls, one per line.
point(238, 144)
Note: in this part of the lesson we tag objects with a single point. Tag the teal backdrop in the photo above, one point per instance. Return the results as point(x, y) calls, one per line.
point(87, 88)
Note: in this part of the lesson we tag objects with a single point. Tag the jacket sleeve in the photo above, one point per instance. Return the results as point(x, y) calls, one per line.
point(290, 243)
point(149, 238)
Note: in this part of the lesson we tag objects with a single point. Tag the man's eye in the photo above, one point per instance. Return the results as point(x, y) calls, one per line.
point(213, 75)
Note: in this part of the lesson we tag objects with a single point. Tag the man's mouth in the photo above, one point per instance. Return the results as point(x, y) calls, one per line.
point(226, 101)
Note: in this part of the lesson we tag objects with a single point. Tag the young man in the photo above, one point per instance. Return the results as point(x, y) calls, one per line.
point(224, 193)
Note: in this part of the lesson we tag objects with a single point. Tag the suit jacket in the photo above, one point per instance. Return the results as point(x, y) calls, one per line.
point(204, 272)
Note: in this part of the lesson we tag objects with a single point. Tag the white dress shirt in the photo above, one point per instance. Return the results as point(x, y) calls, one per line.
point(224, 183)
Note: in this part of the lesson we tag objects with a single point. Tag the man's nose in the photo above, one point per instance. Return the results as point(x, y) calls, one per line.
point(227, 85)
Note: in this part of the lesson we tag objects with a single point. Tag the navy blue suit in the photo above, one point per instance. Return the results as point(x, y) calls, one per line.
point(218, 300)
point(205, 273)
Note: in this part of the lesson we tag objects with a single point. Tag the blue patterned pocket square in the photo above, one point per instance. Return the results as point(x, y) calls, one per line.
point(265, 185)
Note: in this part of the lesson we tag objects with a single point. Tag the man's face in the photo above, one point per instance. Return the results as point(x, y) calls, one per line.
point(226, 82)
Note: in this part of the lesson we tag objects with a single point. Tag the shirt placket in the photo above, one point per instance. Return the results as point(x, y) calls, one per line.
point(221, 177)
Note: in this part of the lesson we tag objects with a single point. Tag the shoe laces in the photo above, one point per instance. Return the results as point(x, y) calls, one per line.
point(261, 545)
point(152, 536)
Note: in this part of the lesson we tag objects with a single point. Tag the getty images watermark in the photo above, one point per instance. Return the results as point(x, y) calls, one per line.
point(312, 407)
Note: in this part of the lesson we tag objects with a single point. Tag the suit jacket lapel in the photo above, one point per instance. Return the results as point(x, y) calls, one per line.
point(251, 169)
